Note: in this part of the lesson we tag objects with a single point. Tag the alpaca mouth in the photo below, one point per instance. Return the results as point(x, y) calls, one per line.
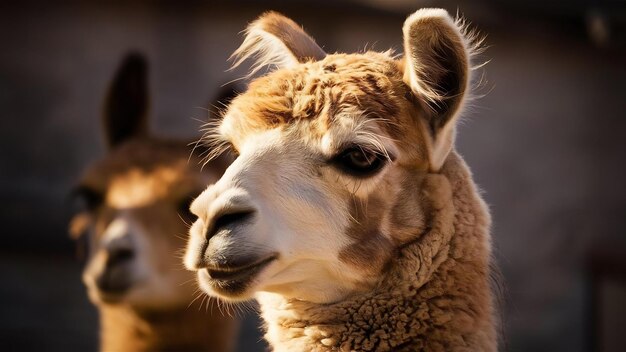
point(113, 292)
point(114, 284)
point(232, 280)
point(238, 272)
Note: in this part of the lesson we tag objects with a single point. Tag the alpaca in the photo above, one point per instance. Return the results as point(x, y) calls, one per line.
point(135, 201)
point(348, 214)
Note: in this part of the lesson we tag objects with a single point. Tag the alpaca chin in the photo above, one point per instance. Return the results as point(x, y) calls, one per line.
point(234, 283)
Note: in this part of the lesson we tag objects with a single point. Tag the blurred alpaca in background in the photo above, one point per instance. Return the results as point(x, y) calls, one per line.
point(134, 208)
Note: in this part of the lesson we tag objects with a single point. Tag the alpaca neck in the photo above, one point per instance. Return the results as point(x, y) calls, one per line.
point(436, 295)
point(125, 329)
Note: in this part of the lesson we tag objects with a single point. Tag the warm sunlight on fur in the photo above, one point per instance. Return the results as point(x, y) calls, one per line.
point(347, 213)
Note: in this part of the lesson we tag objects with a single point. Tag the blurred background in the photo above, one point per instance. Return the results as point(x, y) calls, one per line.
point(546, 144)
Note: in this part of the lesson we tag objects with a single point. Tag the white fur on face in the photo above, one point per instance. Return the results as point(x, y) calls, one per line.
point(302, 212)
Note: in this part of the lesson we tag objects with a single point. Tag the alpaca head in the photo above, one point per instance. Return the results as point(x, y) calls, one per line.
point(134, 204)
point(333, 151)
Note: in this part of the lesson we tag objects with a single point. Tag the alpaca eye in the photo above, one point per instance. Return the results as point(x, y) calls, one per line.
point(86, 199)
point(359, 162)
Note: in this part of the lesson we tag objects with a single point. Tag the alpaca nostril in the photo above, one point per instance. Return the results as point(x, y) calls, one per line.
point(120, 256)
point(226, 219)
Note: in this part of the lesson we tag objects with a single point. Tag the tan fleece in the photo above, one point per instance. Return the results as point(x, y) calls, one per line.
point(435, 296)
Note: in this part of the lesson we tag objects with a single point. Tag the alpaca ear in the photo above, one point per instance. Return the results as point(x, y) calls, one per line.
point(126, 104)
point(436, 67)
point(274, 39)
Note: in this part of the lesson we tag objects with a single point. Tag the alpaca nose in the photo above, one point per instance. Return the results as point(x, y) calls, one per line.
point(118, 243)
point(227, 208)
point(119, 256)
point(228, 218)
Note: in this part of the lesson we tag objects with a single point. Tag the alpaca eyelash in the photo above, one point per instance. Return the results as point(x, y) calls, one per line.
point(366, 149)
point(86, 198)
point(384, 155)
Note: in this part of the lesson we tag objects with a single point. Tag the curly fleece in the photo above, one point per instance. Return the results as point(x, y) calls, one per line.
point(435, 297)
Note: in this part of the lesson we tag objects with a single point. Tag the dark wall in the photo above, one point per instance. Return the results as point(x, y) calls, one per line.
point(545, 143)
